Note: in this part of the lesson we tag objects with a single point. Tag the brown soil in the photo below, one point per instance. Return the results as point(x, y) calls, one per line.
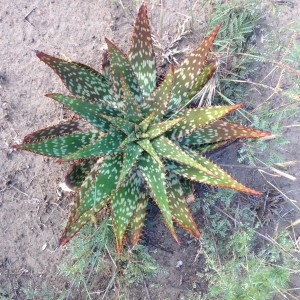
point(32, 208)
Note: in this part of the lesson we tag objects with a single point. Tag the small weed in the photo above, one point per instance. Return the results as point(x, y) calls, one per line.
point(241, 261)
point(251, 273)
point(42, 293)
point(138, 265)
point(86, 256)
point(7, 293)
point(93, 258)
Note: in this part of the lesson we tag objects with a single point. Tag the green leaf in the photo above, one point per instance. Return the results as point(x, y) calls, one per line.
point(88, 110)
point(186, 186)
point(221, 131)
point(132, 110)
point(131, 155)
point(87, 184)
point(155, 177)
point(105, 183)
point(178, 207)
point(76, 219)
point(129, 139)
point(78, 173)
point(136, 225)
point(121, 67)
point(72, 229)
point(105, 66)
point(186, 76)
point(141, 54)
point(165, 148)
point(223, 179)
point(81, 80)
point(63, 145)
point(124, 204)
point(97, 187)
point(144, 125)
point(204, 77)
point(119, 123)
point(147, 146)
point(209, 147)
point(161, 127)
point(107, 144)
point(61, 129)
point(197, 118)
point(158, 101)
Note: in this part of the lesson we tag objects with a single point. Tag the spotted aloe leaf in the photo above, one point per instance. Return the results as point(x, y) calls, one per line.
point(198, 118)
point(121, 68)
point(167, 149)
point(80, 79)
point(88, 110)
point(61, 129)
point(136, 225)
point(94, 194)
point(222, 179)
point(203, 78)
point(144, 125)
point(78, 173)
point(105, 66)
point(119, 123)
point(178, 205)
point(105, 182)
point(186, 76)
point(107, 144)
point(75, 225)
point(136, 139)
point(141, 54)
point(158, 100)
point(155, 177)
point(147, 146)
point(76, 222)
point(209, 147)
point(124, 204)
point(221, 131)
point(64, 145)
point(132, 109)
point(159, 128)
point(86, 185)
point(131, 155)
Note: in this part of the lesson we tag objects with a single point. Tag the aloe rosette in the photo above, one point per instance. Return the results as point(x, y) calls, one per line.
point(137, 140)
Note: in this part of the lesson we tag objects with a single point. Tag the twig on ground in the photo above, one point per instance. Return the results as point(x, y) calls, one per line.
point(146, 289)
point(213, 239)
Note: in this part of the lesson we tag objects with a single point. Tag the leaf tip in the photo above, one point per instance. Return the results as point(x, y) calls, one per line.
point(52, 95)
point(239, 105)
point(63, 240)
point(172, 230)
point(265, 134)
point(142, 10)
point(251, 191)
point(172, 68)
point(235, 107)
point(16, 146)
point(215, 31)
point(41, 55)
point(108, 42)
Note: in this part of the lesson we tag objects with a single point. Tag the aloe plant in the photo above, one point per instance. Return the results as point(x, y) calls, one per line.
point(137, 140)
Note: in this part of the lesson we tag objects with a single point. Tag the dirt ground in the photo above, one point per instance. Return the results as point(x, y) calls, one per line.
point(32, 208)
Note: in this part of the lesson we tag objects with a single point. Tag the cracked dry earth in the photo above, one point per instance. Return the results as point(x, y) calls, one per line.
point(32, 208)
